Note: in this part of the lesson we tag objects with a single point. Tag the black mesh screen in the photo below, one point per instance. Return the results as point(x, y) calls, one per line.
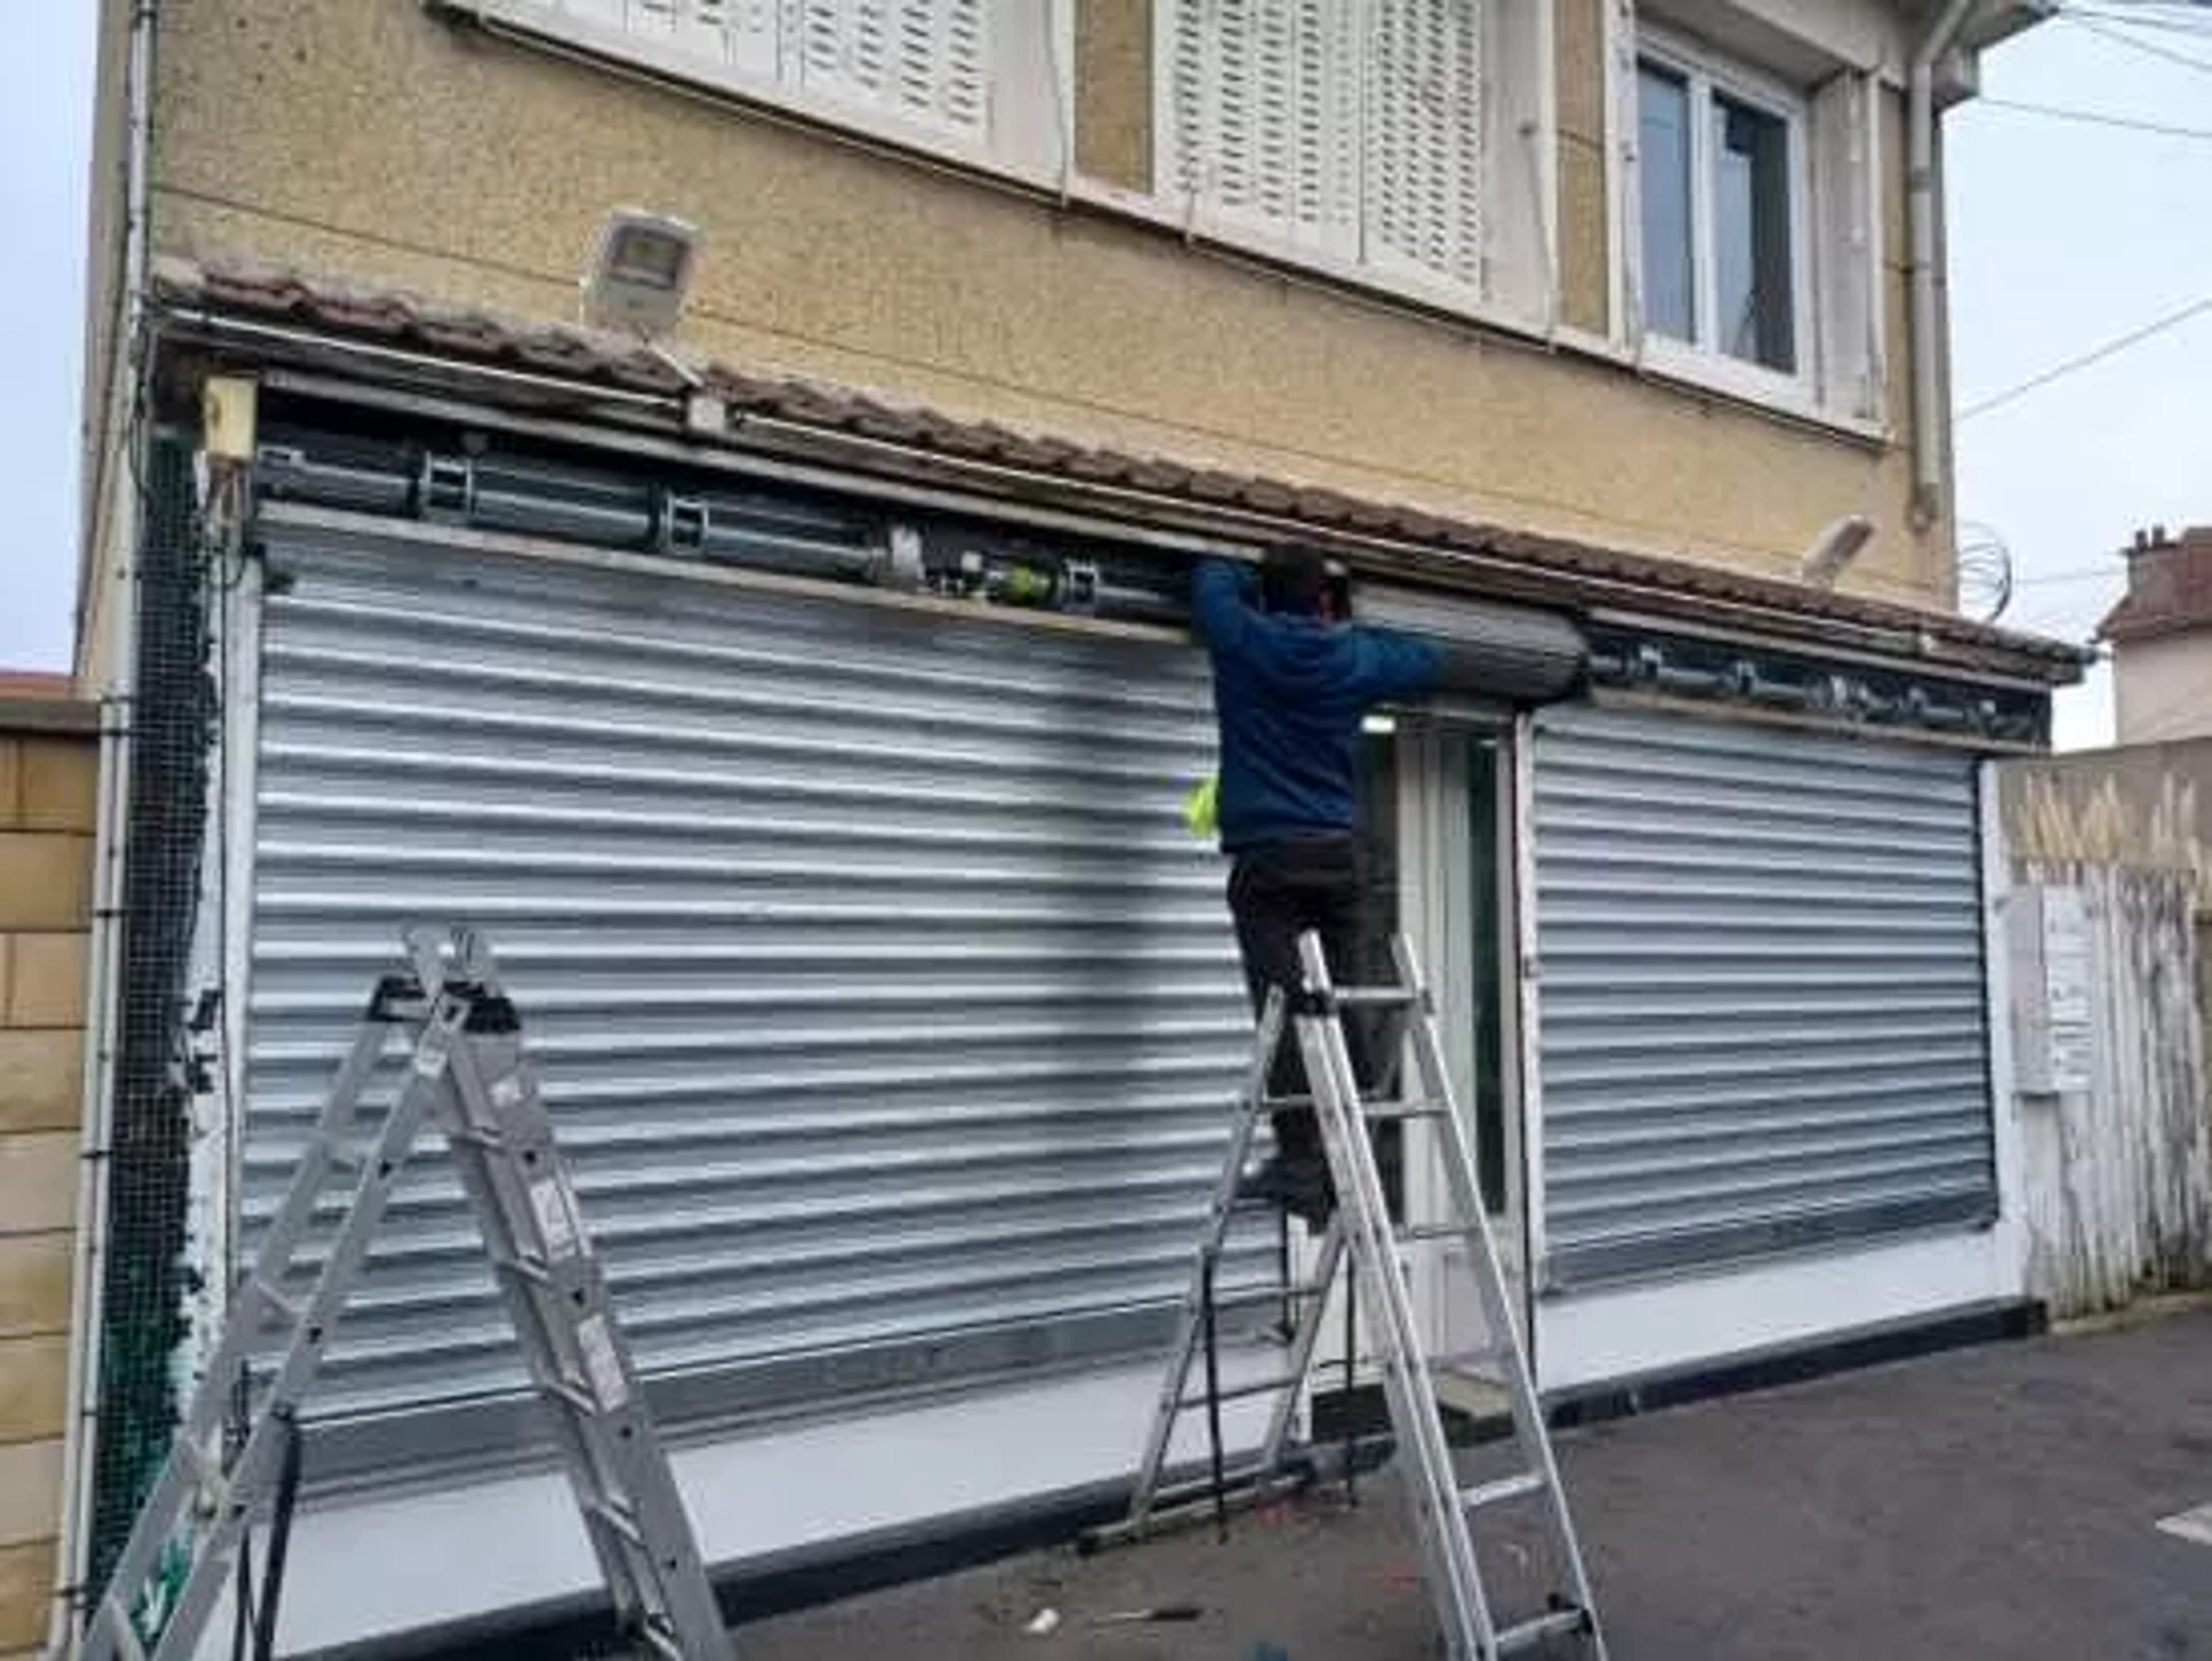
point(172, 726)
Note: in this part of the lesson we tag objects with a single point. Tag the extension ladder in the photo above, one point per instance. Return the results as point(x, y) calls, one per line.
point(466, 1072)
point(1444, 1511)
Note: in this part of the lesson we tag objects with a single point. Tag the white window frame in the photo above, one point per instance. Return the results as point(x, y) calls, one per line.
point(1504, 146)
point(1030, 131)
point(1702, 361)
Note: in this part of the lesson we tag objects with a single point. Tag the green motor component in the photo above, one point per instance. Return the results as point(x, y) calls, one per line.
point(1024, 585)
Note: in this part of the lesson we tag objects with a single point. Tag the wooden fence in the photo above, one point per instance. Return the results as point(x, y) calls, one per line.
point(2119, 1174)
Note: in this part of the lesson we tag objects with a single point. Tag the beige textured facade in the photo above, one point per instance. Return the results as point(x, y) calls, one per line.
point(377, 143)
point(2162, 687)
point(48, 773)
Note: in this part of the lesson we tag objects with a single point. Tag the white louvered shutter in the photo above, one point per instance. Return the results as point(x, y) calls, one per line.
point(927, 61)
point(1424, 141)
point(742, 33)
point(1845, 140)
point(720, 35)
point(1264, 116)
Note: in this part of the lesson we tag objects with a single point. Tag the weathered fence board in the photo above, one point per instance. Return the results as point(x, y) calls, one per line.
point(2120, 1176)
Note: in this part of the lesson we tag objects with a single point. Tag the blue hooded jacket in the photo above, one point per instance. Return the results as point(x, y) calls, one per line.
point(1290, 692)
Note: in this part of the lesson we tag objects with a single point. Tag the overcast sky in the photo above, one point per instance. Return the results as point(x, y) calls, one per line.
point(2064, 236)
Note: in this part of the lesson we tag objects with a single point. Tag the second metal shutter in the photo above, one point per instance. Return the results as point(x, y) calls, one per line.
point(1761, 995)
point(888, 1013)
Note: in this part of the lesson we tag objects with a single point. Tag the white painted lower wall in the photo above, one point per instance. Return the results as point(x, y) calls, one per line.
point(1598, 1336)
point(372, 1567)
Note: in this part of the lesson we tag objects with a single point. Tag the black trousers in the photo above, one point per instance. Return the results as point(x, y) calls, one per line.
point(1276, 892)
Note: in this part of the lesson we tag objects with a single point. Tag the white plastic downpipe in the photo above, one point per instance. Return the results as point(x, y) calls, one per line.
point(1924, 191)
point(103, 968)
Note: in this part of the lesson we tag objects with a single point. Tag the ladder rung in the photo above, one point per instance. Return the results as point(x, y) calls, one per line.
point(1519, 1486)
point(1489, 1355)
point(1238, 1392)
point(1280, 1104)
point(208, 1474)
point(1396, 1110)
point(1375, 997)
point(1530, 1633)
point(1421, 1233)
point(664, 1642)
point(274, 1302)
point(1233, 1480)
point(1257, 1297)
point(618, 1519)
point(521, 1267)
point(118, 1617)
point(1181, 1502)
point(573, 1395)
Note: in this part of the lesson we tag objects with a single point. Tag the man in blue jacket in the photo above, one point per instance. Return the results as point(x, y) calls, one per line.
point(1292, 679)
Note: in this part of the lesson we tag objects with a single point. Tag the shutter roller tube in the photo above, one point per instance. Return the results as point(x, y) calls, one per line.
point(1513, 653)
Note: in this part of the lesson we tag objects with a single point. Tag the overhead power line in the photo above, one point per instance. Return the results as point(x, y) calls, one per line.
point(2093, 118)
point(2110, 349)
point(2120, 37)
point(2196, 25)
point(2148, 11)
point(2106, 572)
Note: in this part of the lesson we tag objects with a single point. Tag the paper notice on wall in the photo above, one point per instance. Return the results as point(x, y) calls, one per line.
point(608, 1385)
point(2066, 991)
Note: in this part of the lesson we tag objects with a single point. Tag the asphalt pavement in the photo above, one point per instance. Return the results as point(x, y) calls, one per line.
point(1997, 1502)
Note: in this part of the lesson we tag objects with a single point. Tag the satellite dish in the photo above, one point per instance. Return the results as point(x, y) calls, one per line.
point(1983, 562)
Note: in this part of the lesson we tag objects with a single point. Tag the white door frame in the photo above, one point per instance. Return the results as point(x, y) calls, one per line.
point(1435, 906)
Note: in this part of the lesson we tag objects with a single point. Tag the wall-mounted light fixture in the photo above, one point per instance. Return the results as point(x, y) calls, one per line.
point(640, 273)
point(1835, 548)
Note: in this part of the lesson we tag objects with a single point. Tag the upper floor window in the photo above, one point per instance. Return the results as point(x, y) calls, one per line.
point(1724, 192)
point(1752, 239)
point(1390, 138)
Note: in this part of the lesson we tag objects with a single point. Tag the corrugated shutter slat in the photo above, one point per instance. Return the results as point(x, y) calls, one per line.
point(1762, 1002)
point(878, 992)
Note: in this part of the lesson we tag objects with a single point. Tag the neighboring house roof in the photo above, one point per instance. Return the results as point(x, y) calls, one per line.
point(1551, 567)
point(33, 683)
point(2169, 589)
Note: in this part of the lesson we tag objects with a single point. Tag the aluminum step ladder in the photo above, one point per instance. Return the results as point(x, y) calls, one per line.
point(467, 1072)
point(1446, 1514)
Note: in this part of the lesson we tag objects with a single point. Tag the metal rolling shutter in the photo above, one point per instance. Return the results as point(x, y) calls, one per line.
point(888, 1013)
point(1761, 995)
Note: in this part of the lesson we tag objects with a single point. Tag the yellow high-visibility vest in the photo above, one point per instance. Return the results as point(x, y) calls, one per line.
point(1201, 807)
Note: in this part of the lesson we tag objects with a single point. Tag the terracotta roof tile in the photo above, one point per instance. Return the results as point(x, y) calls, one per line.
point(266, 294)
